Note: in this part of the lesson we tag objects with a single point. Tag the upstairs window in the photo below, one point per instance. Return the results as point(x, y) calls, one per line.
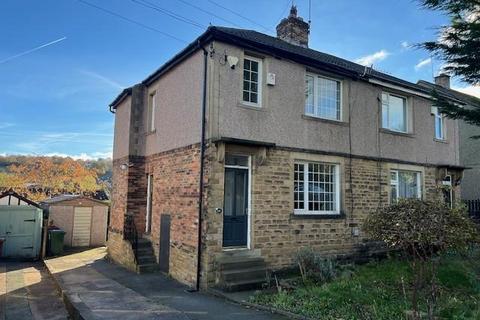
point(394, 112)
point(439, 124)
point(152, 104)
point(252, 81)
point(316, 188)
point(323, 97)
point(405, 185)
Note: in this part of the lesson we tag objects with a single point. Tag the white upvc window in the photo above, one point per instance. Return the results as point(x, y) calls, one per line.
point(405, 185)
point(394, 112)
point(316, 188)
point(152, 105)
point(323, 97)
point(439, 123)
point(252, 81)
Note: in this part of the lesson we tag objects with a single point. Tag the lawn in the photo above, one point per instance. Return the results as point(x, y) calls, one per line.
point(376, 291)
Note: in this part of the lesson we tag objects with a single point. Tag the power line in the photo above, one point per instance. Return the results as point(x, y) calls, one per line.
point(31, 50)
point(169, 13)
point(209, 13)
point(131, 20)
point(240, 15)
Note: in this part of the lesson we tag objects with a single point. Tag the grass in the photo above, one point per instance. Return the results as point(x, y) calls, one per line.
point(376, 291)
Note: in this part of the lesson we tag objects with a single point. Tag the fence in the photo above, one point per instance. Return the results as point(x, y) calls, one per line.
point(473, 208)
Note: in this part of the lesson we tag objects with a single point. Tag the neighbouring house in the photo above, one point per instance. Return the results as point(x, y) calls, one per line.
point(83, 219)
point(469, 148)
point(21, 222)
point(286, 147)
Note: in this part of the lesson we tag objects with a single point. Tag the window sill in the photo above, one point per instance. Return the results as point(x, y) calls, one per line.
point(151, 132)
point(250, 106)
point(318, 216)
point(337, 122)
point(397, 133)
point(440, 140)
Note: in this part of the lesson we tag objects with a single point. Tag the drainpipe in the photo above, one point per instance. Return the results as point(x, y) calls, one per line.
point(202, 154)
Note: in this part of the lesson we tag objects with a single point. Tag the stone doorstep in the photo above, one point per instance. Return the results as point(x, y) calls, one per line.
point(237, 298)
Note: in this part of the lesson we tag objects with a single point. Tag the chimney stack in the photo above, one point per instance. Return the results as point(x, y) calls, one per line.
point(293, 29)
point(443, 80)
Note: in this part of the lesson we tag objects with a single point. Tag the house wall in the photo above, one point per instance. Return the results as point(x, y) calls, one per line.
point(122, 129)
point(276, 233)
point(281, 118)
point(61, 215)
point(469, 151)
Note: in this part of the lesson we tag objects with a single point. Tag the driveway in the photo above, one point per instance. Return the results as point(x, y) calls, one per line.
point(28, 292)
point(103, 290)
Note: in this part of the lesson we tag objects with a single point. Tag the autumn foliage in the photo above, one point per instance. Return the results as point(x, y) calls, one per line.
point(43, 177)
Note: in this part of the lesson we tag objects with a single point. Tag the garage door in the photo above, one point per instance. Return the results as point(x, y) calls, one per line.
point(82, 220)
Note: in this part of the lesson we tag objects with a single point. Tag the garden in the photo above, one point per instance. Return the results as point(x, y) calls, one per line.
point(433, 271)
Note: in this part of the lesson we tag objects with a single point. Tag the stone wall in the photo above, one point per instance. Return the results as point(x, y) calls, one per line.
point(120, 251)
point(276, 233)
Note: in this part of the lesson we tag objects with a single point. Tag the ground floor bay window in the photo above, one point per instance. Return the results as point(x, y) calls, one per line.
point(405, 184)
point(316, 188)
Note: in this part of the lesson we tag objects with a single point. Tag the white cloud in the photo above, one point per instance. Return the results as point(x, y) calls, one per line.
point(471, 90)
point(423, 63)
point(4, 125)
point(373, 58)
point(81, 156)
point(405, 45)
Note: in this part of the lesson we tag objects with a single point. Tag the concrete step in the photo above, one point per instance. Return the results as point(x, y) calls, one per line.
point(257, 272)
point(240, 263)
point(146, 259)
point(242, 285)
point(147, 267)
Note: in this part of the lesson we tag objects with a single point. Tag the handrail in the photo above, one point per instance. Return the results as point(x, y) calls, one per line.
point(131, 234)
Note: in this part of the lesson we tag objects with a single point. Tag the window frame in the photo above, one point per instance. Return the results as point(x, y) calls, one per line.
point(406, 113)
point(437, 115)
point(396, 184)
point(305, 211)
point(316, 96)
point(258, 104)
point(152, 105)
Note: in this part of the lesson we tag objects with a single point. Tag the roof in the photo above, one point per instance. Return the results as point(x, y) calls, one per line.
point(18, 196)
point(468, 99)
point(263, 43)
point(67, 197)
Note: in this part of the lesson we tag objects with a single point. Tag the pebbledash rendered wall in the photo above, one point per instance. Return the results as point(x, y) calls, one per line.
point(276, 233)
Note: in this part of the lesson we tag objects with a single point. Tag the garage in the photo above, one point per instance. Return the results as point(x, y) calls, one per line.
point(20, 227)
point(83, 219)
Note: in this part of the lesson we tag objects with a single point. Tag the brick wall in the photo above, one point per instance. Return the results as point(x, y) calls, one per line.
point(276, 233)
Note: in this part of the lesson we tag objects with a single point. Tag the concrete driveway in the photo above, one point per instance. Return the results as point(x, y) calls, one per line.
point(28, 292)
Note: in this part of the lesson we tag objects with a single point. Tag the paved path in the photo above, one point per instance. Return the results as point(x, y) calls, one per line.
point(28, 292)
point(111, 292)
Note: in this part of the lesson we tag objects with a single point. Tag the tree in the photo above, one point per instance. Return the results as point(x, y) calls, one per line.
point(42, 177)
point(422, 231)
point(458, 45)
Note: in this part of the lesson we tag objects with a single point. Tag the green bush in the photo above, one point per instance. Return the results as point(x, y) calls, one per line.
point(315, 268)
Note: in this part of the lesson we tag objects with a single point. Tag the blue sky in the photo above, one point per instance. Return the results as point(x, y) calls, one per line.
point(54, 100)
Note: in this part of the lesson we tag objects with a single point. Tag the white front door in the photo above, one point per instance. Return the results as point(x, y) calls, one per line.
point(82, 222)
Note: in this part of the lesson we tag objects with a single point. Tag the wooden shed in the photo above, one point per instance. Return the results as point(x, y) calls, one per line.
point(83, 219)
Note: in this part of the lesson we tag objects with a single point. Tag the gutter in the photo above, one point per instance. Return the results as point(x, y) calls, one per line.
point(202, 165)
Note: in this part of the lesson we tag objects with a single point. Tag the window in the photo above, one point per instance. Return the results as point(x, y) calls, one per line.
point(152, 103)
point(394, 112)
point(439, 124)
point(148, 218)
point(252, 81)
point(316, 188)
point(323, 97)
point(405, 184)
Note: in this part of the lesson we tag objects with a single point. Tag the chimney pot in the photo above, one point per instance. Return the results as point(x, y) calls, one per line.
point(443, 80)
point(293, 29)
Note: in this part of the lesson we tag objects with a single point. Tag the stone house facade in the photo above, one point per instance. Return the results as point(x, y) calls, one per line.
point(286, 147)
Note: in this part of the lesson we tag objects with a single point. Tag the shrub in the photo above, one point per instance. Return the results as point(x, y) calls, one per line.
point(422, 230)
point(315, 268)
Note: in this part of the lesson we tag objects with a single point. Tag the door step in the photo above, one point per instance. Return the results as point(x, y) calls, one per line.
point(241, 273)
point(146, 260)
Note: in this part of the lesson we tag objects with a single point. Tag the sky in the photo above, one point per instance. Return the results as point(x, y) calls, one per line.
point(63, 61)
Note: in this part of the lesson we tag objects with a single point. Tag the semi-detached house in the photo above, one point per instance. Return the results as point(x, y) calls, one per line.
point(285, 146)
